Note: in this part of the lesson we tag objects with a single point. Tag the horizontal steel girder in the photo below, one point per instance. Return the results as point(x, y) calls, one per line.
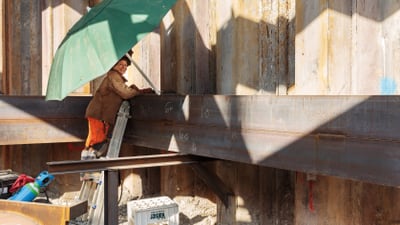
point(354, 137)
point(122, 163)
point(32, 120)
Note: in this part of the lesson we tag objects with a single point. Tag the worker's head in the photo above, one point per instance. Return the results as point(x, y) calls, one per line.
point(123, 62)
point(126, 59)
point(122, 65)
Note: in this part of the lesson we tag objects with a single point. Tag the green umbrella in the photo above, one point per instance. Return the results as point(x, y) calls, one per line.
point(101, 37)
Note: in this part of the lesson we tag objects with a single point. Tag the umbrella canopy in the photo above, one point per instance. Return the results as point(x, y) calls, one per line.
point(99, 39)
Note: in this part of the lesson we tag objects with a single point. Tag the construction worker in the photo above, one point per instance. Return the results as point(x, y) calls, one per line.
point(102, 109)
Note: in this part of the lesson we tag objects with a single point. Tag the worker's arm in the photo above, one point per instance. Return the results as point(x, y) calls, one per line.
point(117, 84)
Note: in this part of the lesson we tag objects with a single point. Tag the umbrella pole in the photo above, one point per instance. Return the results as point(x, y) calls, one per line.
point(158, 92)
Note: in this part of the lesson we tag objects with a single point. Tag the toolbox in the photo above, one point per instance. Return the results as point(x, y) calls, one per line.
point(7, 179)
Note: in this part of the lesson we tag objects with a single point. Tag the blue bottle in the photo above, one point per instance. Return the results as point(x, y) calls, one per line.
point(30, 190)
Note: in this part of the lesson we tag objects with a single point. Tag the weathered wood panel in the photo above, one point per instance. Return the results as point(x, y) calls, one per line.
point(357, 53)
point(330, 200)
point(390, 80)
point(57, 18)
point(346, 47)
point(311, 47)
point(22, 68)
point(368, 59)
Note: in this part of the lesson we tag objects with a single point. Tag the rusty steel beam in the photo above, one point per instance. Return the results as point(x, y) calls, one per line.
point(354, 137)
point(31, 120)
point(122, 163)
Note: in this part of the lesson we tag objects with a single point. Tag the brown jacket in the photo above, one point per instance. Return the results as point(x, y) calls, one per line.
point(108, 97)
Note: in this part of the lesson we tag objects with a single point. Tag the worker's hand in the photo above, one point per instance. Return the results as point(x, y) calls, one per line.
point(147, 91)
point(134, 87)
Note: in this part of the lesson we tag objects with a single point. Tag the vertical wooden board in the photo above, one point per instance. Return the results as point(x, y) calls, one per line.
point(4, 158)
point(47, 47)
point(73, 11)
point(268, 42)
point(340, 201)
point(168, 180)
point(225, 49)
point(2, 59)
point(154, 60)
point(339, 47)
point(186, 80)
point(185, 181)
point(311, 47)
point(284, 192)
point(380, 205)
point(335, 200)
point(177, 181)
point(146, 64)
point(13, 54)
point(204, 81)
point(283, 45)
point(228, 172)
point(367, 58)
point(245, 62)
point(276, 196)
point(268, 209)
point(139, 58)
point(248, 201)
point(168, 33)
point(353, 197)
point(33, 54)
point(390, 81)
point(291, 15)
point(213, 42)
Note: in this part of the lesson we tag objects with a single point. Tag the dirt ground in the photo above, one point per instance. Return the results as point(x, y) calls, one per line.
point(192, 210)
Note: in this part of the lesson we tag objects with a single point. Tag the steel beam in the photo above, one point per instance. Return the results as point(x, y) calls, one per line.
point(354, 137)
point(122, 163)
point(31, 120)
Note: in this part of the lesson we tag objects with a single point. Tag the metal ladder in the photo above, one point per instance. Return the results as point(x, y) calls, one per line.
point(93, 191)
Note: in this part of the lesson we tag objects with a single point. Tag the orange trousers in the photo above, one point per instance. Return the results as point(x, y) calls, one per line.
point(98, 131)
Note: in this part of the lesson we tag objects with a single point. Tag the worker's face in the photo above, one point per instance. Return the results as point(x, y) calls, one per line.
point(121, 66)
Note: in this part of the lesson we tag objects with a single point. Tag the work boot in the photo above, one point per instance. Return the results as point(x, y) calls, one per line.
point(102, 151)
point(91, 153)
point(84, 154)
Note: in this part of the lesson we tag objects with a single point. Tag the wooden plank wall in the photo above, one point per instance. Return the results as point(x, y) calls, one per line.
point(346, 48)
point(229, 47)
point(26, 62)
point(330, 47)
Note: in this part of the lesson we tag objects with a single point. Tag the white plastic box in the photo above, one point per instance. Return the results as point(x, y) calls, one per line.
point(153, 211)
